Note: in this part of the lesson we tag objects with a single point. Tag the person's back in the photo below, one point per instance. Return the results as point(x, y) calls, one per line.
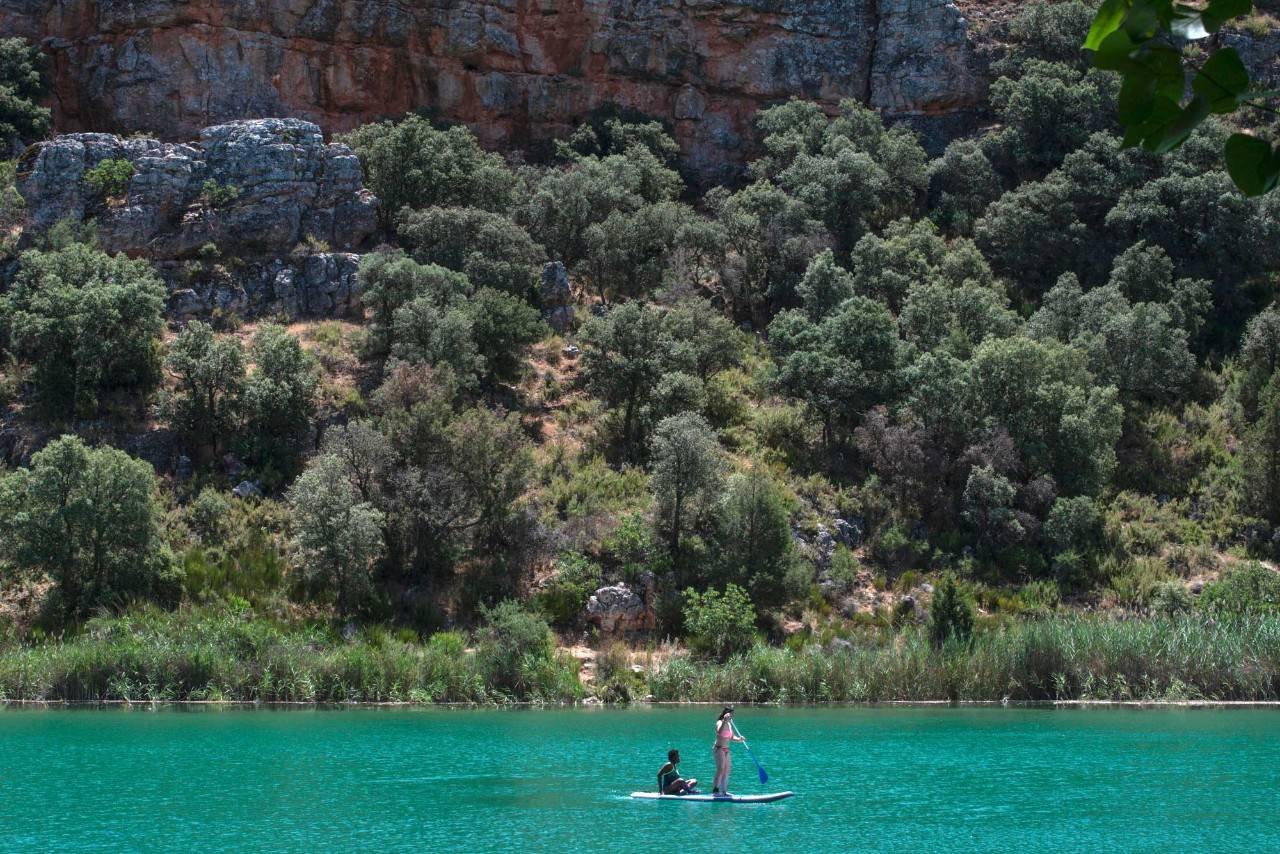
point(669, 779)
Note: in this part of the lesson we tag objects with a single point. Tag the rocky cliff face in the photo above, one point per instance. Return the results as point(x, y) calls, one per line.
point(517, 71)
point(242, 220)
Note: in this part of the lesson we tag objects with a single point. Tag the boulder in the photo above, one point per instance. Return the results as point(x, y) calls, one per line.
point(848, 532)
point(618, 608)
point(233, 465)
point(247, 489)
point(556, 297)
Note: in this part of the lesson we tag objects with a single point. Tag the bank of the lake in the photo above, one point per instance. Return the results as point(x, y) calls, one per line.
point(198, 655)
point(887, 779)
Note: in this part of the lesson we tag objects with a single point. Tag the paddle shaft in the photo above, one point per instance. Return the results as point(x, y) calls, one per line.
point(764, 776)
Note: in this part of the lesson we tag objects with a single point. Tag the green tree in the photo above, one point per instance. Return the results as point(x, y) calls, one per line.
point(337, 538)
point(365, 453)
point(89, 517)
point(512, 643)
point(1047, 31)
point(884, 268)
point(1259, 359)
point(1074, 523)
point(628, 253)
point(1060, 422)
point(110, 178)
point(962, 183)
point(688, 464)
point(389, 280)
point(824, 287)
point(719, 624)
point(951, 615)
point(279, 398)
point(1261, 456)
point(755, 535)
point(840, 367)
point(1049, 111)
point(489, 248)
point(854, 174)
point(209, 373)
point(1251, 588)
point(502, 326)
point(625, 353)
point(88, 321)
point(24, 82)
point(988, 508)
point(1138, 348)
point(12, 210)
point(563, 203)
point(601, 137)
point(424, 331)
point(412, 164)
point(769, 238)
point(208, 516)
point(704, 340)
point(493, 461)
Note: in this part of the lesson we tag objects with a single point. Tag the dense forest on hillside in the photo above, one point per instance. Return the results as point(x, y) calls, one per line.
point(865, 424)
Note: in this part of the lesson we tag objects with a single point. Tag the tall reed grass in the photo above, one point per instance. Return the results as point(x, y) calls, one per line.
point(150, 655)
point(1071, 658)
point(202, 654)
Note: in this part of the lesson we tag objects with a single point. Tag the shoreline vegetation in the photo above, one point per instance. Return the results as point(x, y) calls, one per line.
point(150, 656)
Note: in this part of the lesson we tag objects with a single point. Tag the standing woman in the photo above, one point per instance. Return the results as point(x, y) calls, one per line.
point(724, 764)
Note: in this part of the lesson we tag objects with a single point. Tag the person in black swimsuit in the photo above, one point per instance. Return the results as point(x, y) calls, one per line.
point(669, 780)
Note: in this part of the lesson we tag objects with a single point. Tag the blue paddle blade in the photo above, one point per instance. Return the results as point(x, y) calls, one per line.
point(764, 778)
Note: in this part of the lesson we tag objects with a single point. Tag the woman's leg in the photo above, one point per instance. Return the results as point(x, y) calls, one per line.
point(728, 766)
point(718, 755)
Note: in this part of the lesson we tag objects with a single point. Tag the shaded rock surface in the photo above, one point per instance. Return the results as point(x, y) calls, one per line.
point(556, 297)
point(319, 285)
point(517, 71)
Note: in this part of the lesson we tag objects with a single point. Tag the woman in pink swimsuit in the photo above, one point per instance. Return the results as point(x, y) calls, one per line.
point(724, 764)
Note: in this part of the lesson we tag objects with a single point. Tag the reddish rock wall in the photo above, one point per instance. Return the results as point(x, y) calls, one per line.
point(517, 71)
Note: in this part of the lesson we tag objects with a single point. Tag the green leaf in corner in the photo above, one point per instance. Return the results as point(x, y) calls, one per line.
point(1252, 164)
point(1136, 101)
point(1177, 131)
point(1187, 23)
point(1114, 52)
point(1222, 80)
point(1161, 113)
point(1107, 21)
point(1147, 18)
point(1218, 12)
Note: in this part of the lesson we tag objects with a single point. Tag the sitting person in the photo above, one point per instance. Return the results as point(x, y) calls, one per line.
point(669, 780)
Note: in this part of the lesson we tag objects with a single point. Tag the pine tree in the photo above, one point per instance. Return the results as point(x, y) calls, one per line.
point(951, 615)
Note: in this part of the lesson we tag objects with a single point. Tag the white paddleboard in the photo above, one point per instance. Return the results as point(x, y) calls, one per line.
point(715, 799)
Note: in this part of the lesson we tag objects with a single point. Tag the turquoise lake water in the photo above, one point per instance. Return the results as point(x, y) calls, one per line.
point(868, 779)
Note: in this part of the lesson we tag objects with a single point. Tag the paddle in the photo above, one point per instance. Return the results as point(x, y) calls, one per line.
point(764, 775)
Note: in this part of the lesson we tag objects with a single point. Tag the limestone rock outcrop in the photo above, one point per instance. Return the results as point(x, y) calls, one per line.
point(323, 284)
point(617, 608)
point(244, 221)
point(517, 71)
point(252, 188)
